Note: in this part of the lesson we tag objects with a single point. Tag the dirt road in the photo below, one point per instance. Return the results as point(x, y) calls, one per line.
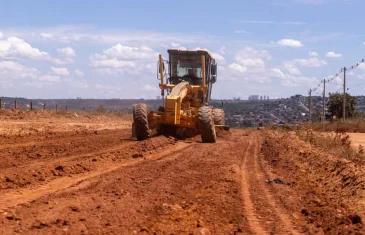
point(357, 139)
point(100, 181)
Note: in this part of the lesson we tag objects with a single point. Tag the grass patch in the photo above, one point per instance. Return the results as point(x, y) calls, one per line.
point(341, 126)
point(337, 143)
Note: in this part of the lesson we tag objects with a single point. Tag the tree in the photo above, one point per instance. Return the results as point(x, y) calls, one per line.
point(335, 105)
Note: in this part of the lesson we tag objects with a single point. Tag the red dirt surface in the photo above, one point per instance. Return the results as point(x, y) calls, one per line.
point(86, 175)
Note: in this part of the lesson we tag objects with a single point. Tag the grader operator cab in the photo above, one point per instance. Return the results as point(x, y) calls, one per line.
point(186, 81)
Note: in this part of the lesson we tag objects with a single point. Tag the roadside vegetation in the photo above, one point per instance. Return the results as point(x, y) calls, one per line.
point(336, 143)
point(349, 125)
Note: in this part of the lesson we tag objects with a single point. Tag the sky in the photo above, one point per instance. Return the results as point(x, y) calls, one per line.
point(109, 48)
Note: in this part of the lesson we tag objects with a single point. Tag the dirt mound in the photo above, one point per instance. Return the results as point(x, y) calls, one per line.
point(12, 114)
point(25, 114)
point(223, 134)
point(185, 188)
point(332, 188)
point(155, 143)
point(57, 161)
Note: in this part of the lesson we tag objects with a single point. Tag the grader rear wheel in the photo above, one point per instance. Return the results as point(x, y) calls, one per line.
point(206, 125)
point(219, 117)
point(140, 119)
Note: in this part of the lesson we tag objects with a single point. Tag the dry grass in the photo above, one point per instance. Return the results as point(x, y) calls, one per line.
point(337, 144)
point(349, 125)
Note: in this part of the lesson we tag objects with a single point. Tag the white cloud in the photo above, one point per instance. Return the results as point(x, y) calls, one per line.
point(249, 65)
point(277, 73)
point(79, 73)
point(120, 59)
point(49, 78)
point(332, 54)
point(237, 67)
point(362, 66)
point(292, 68)
point(14, 70)
point(60, 71)
point(1, 35)
point(311, 63)
point(240, 31)
point(174, 44)
point(272, 22)
point(130, 53)
point(314, 2)
point(290, 43)
point(219, 58)
point(80, 84)
point(112, 63)
point(313, 53)
point(16, 47)
point(80, 34)
point(251, 57)
point(46, 35)
point(148, 87)
point(363, 43)
point(295, 81)
point(10, 70)
point(66, 52)
point(222, 50)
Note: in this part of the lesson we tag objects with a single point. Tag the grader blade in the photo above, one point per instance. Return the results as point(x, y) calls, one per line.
point(223, 127)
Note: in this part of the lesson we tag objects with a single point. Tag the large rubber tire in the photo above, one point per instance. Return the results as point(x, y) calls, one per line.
point(219, 117)
point(140, 119)
point(206, 125)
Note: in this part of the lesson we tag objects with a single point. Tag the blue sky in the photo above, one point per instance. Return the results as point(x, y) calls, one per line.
point(108, 49)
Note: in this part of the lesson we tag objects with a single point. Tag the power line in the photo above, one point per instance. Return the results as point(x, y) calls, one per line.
point(330, 79)
point(356, 65)
point(356, 85)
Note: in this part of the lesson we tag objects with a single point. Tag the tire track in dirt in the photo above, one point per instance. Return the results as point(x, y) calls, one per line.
point(28, 152)
point(249, 208)
point(265, 215)
point(108, 152)
point(21, 196)
point(285, 220)
point(52, 140)
point(72, 157)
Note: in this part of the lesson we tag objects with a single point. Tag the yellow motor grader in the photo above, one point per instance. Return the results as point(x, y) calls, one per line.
point(186, 87)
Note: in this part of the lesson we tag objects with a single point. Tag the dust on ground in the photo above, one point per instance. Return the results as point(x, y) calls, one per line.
point(80, 174)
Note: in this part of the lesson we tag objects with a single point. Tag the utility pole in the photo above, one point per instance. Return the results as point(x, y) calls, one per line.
point(323, 100)
point(310, 105)
point(344, 94)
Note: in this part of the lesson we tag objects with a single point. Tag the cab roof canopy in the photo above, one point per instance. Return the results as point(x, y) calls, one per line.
point(190, 52)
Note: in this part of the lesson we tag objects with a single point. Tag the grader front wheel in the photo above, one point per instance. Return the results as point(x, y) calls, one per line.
point(206, 125)
point(219, 117)
point(140, 119)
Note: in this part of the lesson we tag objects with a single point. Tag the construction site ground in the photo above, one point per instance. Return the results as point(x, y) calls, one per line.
point(81, 174)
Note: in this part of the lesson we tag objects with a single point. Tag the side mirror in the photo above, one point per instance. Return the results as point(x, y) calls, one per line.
point(214, 69)
point(214, 78)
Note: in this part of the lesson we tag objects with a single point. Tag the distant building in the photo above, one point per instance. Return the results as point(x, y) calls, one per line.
point(253, 97)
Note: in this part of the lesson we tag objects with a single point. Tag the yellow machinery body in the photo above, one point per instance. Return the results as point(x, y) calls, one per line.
point(183, 99)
